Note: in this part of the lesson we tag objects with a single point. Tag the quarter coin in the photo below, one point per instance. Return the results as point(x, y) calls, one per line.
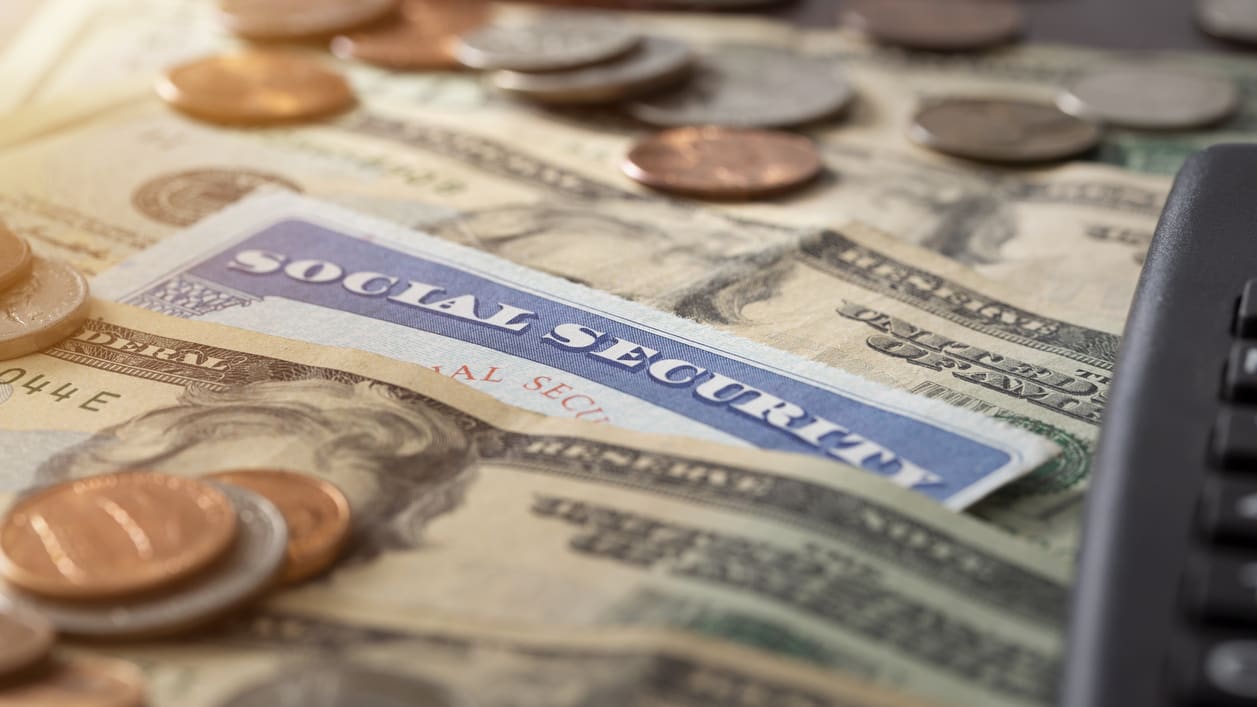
point(1151, 96)
point(422, 37)
point(1000, 130)
point(297, 19)
point(114, 534)
point(79, 681)
point(40, 311)
point(25, 639)
point(657, 63)
point(749, 88)
point(316, 512)
point(340, 685)
point(934, 25)
point(723, 163)
point(550, 45)
point(251, 565)
point(1228, 19)
point(255, 87)
point(15, 258)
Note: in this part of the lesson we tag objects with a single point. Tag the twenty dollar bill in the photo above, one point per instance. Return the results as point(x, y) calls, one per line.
point(485, 515)
point(298, 268)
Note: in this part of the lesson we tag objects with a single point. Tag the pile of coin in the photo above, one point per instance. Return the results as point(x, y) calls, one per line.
point(140, 554)
point(1146, 96)
point(41, 301)
point(736, 95)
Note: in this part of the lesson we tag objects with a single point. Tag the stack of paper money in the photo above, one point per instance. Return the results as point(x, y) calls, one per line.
point(602, 445)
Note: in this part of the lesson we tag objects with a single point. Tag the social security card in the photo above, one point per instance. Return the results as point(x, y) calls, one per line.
point(294, 267)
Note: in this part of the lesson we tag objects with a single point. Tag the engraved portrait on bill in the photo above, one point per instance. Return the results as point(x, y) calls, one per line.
point(401, 462)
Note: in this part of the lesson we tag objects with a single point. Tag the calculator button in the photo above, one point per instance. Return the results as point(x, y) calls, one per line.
point(1246, 316)
point(1225, 674)
point(1241, 372)
point(1235, 437)
point(1224, 588)
point(1228, 510)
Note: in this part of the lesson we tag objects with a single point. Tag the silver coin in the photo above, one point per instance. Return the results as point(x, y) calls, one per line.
point(549, 45)
point(657, 63)
point(745, 87)
point(255, 559)
point(339, 685)
point(1229, 19)
point(1151, 96)
point(1001, 130)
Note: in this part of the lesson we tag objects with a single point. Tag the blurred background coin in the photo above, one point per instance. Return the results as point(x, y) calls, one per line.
point(26, 639)
point(723, 163)
point(299, 19)
point(249, 568)
point(114, 534)
point(1001, 130)
point(316, 512)
point(344, 685)
point(1151, 96)
point(78, 681)
point(255, 87)
point(750, 88)
point(658, 62)
point(937, 25)
point(422, 36)
point(558, 43)
point(15, 258)
point(1229, 19)
point(41, 310)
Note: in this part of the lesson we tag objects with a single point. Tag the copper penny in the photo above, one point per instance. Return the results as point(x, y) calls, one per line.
point(1001, 130)
point(48, 306)
point(723, 163)
point(255, 87)
point(317, 514)
point(15, 258)
point(422, 37)
point(25, 639)
point(299, 19)
point(938, 25)
point(114, 534)
point(79, 681)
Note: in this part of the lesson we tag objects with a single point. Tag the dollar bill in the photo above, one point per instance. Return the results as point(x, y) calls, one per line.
point(294, 267)
point(481, 514)
point(777, 273)
point(286, 659)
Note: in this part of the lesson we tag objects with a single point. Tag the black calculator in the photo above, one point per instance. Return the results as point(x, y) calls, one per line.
point(1165, 605)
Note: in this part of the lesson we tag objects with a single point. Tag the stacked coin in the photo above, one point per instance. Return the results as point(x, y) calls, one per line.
point(41, 301)
point(139, 553)
point(571, 61)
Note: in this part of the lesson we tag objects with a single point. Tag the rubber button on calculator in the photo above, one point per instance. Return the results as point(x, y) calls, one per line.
point(1223, 587)
point(1235, 438)
point(1241, 372)
point(1246, 315)
point(1228, 510)
point(1225, 673)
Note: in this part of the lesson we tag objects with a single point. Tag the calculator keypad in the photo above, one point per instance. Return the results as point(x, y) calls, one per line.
point(1220, 585)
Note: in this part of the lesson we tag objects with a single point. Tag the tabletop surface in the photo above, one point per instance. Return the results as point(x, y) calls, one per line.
point(1113, 24)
